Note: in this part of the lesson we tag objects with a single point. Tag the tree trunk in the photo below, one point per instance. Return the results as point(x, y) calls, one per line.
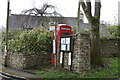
point(95, 22)
point(78, 19)
point(95, 42)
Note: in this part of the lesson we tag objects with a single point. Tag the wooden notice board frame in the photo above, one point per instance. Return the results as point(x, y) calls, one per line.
point(65, 44)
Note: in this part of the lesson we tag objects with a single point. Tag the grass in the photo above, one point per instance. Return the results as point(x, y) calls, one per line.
point(56, 73)
point(109, 72)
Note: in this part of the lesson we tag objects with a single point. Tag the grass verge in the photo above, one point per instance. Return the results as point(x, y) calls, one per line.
point(109, 72)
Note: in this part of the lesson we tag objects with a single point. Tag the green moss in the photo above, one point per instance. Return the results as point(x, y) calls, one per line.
point(95, 17)
point(97, 61)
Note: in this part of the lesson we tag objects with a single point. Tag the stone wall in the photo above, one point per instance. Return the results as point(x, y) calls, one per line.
point(81, 52)
point(109, 47)
point(26, 61)
point(80, 55)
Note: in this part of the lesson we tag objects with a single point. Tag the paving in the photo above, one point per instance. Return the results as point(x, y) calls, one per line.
point(16, 73)
point(13, 72)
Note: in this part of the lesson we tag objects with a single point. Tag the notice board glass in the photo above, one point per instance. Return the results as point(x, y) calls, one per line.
point(65, 43)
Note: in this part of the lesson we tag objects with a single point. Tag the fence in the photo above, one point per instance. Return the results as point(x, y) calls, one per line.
point(35, 42)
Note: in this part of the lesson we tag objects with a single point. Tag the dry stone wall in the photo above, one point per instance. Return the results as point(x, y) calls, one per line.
point(80, 55)
point(109, 47)
point(26, 61)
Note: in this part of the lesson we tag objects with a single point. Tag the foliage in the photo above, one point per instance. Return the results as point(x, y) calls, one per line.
point(12, 35)
point(113, 30)
point(74, 30)
point(111, 71)
point(0, 41)
point(32, 41)
point(81, 30)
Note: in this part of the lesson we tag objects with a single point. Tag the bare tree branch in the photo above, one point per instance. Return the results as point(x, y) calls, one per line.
point(46, 6)
point(42, 11)
point(87, 9)
point(83, 6)
point(88, 2)
point(97, 8)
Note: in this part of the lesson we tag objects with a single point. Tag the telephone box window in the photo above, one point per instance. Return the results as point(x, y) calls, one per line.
point(65, 28)
point(65, 33)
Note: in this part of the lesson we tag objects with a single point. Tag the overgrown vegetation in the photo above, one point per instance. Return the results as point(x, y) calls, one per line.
point(114, 30)
point(110, 71)
point(0, 41)
point(81, 31)
point(29, 41)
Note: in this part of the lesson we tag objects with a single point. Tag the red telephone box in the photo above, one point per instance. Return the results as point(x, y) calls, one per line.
point(61, 30)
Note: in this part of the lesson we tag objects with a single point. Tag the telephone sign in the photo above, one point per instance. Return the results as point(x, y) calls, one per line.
point(52, 27)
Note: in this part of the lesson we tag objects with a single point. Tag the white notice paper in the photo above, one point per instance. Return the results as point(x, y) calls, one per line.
point(54, 43)
point(68, 47)
point(54, 47)
point(61, 57)
point(62, 40)
point(69, 60)
point(63, 47)
point(67, 40)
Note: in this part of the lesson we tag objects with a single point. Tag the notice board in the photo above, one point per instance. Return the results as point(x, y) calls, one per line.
point(66, 43)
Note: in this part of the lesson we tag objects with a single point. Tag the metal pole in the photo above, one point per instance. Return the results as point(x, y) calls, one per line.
point(56, 44)
point(7, 23)
point(78, 18)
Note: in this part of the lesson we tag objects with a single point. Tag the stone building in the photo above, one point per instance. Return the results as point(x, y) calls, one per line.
point(18, 21)
point(28, 21)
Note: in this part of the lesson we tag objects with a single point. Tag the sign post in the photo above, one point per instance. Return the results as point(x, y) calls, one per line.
point(6, 38)
point(54, 38)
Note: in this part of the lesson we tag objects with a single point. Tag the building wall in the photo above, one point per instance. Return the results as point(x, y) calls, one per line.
point(26, 21)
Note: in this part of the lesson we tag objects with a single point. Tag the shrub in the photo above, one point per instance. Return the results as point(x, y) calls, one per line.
point(83, 31)
point(113, 30)
point(32, 41)
point(12, 35)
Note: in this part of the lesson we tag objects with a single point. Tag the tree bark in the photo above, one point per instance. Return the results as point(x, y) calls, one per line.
point(78, 19)
point(94, 22)
point(95, 42)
